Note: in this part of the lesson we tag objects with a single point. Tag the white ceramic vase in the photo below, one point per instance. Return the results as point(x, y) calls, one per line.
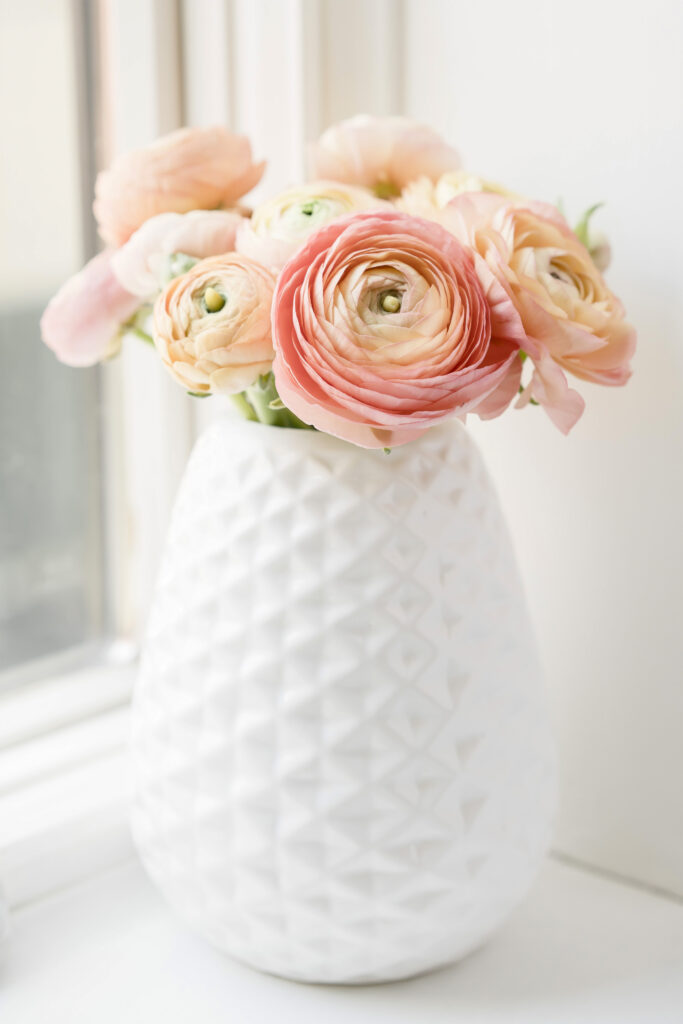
point(344, 768)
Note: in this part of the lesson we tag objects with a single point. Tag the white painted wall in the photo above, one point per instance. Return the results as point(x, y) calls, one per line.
point(583, 101)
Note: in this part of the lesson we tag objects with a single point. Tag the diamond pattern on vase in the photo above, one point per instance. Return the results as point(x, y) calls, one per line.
point(343, 768)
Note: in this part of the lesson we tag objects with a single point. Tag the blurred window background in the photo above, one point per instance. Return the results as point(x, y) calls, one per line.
point(52, 595)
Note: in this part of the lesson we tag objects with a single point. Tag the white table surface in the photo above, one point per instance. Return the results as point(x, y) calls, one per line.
point(582, 950)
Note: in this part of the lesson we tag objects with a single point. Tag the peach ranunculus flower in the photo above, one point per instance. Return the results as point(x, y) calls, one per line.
point(423, 196)
point(190, 169)
point(84, 322)
point(212, 325)
point(155, 252)
point(280, 225)
point(383, 325)
point(572, 321)
point(381, 153)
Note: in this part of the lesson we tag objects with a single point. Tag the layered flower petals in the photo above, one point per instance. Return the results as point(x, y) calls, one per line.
point(382, 326)
point(279, 226)
point(381, 153)
point(142, 264)
point(192, 168)
point(212, 325)
point(82, 324)
point(424, 196)
point(572, 321)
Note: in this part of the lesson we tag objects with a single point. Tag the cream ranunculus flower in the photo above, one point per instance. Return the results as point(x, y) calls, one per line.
point(422, 197)
point(212, 325)
point(279, 226)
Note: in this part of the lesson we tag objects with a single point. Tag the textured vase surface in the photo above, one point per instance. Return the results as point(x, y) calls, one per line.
point(344, 769)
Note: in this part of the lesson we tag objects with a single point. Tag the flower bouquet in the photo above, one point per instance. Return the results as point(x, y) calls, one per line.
point(344, 771)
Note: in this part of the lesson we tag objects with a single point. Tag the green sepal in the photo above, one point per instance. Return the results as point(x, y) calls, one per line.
point(176, 264)
point(268, 407)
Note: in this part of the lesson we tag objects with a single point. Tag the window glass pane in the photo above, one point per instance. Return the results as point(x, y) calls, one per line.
point(50, 485)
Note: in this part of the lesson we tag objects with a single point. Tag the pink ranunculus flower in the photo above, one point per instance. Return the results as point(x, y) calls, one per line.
point(212, 325)
point(384, 324)
point(142, 264)
point(381, 153)
point(83, 322)
point(190, 169)
point(573, 322)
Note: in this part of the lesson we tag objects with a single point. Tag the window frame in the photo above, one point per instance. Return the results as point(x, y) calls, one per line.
point(64, 786)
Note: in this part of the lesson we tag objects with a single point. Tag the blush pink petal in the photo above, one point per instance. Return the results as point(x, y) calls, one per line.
point(498, 401)
point(189, 169)
point(381, 151)
point(200, 233)
point(548, 386)
point(81, 322)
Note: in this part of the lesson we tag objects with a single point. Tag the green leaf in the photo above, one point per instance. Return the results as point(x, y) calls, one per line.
point(387, 451)
point(200, 394)
point(582, 228)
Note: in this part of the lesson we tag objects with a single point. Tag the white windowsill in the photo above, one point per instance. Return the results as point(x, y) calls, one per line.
point(582, 950)
point(64, 780)
point(91, 931)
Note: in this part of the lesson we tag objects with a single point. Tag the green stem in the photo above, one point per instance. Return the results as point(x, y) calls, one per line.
point(139, 333)
point(137, 323)
point(261, 396)
point(244, 407)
